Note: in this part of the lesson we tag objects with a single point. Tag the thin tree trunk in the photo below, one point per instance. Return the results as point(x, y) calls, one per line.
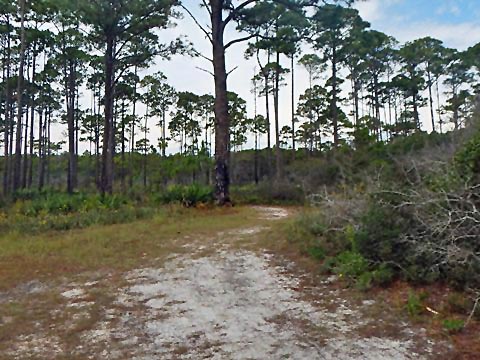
point(6, 132)
point(123, 170)
point(49, 146)
point(25, 148)
point(70, 100)
point(106, 186)
point(293, 103)
point(334, 109)
point(32, 122)
point(132, 130)
point(278, 150)
point(430, 96)
point(18, 141)
point(41, 151)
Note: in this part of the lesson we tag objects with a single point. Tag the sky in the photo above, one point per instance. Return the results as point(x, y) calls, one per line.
point(455, 22)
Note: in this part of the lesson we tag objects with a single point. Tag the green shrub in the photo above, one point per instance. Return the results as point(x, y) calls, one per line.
point(383, 275)
point(414, 304)
point(365, 281)
point(379, 234)
point(316, 252)
point(350, 264)
point(188, 196)
point(453, 325)
point(467, 159)
point(268, 193)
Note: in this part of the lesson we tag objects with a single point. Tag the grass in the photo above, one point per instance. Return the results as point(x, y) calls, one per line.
point(117, 247)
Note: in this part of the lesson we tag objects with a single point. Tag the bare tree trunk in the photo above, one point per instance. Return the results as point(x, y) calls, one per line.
point(18, 140)
point(278, 150)
point(430, 97)
point(32, 122)
point(49, 146)
point(41, 151)
point(106, 182)
point(25, 149)
point(334, 109)
point(132, 130)
point(70, 99)
point(6, 131)
point(222, 121)
point(293, 103)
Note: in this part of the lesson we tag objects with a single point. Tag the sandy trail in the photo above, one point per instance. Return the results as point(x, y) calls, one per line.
point(234, 304)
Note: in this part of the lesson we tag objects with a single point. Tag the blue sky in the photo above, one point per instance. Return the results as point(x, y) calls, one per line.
point(456, 22)
point(444, 11)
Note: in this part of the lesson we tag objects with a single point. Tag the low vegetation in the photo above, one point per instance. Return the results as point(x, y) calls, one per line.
point(410, 216)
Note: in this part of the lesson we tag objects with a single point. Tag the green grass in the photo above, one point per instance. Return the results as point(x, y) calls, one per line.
point(118, 247)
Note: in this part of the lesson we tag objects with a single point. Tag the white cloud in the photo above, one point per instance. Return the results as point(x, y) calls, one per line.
point(459, 36)
point(375, 10)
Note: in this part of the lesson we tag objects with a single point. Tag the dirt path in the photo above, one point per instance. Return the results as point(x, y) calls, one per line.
point(230, 303)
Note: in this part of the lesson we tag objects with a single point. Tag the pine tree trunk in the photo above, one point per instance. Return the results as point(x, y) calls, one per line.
point(278, 150)
point(17, 165)
point(32, 122)
point(25, 148)
point(6, 131)
point(70, 99)
point(106, 182)
point(293, 104)
point(334, 108)
point(222, 122)
point(430, 96)
point(41, 151)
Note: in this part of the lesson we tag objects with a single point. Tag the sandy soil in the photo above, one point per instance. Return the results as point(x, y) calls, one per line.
point(229, 304)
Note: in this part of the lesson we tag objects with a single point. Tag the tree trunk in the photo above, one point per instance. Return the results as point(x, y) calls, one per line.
point(164, 134)
point(145, 129)
point(41, 151)
point(25, 148)
point(132, 130)
point(278, 150)
point(17, 166)
point(123, 170)
point(222, 122)
point(334, 109)
point(106, 182)
point(32, 122)
point(6, 132)
point(430, 96)
point(293, 104)
point(70, 99)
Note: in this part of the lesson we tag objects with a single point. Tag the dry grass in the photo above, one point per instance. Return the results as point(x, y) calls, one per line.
point(116, 247)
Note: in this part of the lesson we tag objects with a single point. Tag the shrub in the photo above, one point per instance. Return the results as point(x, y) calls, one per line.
point(379, 234)
point(188, 196)
point(453, 325)
point(350, 264)
point(414, 304)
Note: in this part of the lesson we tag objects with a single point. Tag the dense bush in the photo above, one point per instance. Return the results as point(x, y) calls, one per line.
point(33, 211)
point(420, 222)
point(268, 193)
point(187, 195)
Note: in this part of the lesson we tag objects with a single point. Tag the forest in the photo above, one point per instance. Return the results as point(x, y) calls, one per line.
point(370, 146)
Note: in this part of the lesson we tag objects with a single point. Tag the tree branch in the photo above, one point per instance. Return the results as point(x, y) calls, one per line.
point(207, 34)
point(236, 41)
point(204, 70)
point(199, 54)
point(235, 12)
point(231, 71)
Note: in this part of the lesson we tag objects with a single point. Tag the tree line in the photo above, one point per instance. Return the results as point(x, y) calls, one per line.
point(364, 86)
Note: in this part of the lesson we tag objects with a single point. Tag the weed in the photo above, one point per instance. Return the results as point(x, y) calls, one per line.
point(414, 304)
point(453, 326)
